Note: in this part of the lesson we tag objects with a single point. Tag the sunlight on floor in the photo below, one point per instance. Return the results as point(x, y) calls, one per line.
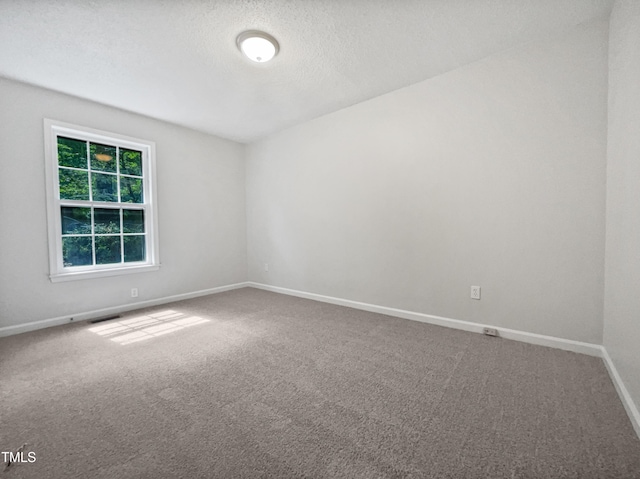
point(148, 326)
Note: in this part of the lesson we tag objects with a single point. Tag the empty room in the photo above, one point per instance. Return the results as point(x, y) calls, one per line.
point(320, 239)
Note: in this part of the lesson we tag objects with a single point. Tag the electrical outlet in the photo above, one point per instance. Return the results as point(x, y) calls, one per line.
point(490, 332)
point(475, 292)
point(266, 266)
point(134, 292)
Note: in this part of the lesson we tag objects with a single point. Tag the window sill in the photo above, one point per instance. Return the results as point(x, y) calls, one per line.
point(60, 277)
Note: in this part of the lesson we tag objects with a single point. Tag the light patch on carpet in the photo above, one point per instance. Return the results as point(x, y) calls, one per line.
point(148, 326)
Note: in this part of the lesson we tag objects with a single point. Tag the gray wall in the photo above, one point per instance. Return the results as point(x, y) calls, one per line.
point(490, 175)
point(622, 272)
point(201, 206)
point(493, 174)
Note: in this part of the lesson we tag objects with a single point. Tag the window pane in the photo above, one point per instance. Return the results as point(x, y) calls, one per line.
point(103, 157)
point(76, 220)
point(134, 249)
point(106, 220)
point(132, 221)
point(107, 249)
point(105, 187)
point(76, 251)
point(130, 162)
point(130, 190)
point(72, 153)
point(74, 185)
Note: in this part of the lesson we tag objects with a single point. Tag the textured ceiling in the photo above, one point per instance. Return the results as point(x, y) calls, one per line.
point(178, 61)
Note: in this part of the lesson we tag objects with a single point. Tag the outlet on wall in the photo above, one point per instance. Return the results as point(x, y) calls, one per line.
point(134, 292)
point(475, 292)
point(266, 266)
point(490, 332)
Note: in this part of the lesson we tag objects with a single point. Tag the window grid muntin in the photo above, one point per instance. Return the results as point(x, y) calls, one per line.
point(121, 234)
point(116, 205)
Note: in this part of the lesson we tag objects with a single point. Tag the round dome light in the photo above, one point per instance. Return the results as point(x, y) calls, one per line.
point(257, 46)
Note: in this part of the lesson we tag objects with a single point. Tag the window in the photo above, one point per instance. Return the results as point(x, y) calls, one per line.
point(100, 203)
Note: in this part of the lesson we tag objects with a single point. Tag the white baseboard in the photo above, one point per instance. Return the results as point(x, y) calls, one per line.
point(97, 313)
point(625, 397)
point(523, 336)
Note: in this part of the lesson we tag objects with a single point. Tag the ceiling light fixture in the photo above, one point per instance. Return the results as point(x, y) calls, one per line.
point(258, 46)
point(104, 157)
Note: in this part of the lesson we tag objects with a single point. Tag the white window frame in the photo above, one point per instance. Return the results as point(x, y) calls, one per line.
point(57, 270)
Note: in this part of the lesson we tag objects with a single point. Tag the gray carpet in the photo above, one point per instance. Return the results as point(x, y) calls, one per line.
point(255, 384)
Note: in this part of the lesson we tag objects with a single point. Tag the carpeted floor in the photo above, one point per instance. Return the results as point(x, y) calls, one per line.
point(249, 383)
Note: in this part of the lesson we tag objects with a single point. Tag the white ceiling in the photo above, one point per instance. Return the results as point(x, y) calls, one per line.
point(178, 61)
